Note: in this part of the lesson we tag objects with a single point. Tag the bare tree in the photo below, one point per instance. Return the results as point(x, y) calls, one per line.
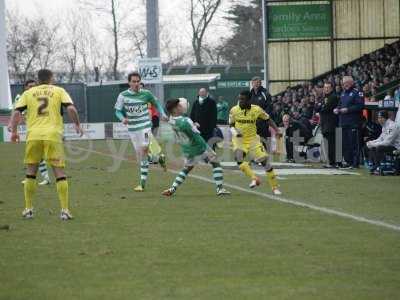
point(117, 15)
point(214, 54)
point(25, 43)
point(74, 35)
point(201, 15)
point(135, 36)
point(174, 50)
point(115, 31)
point(51, 45)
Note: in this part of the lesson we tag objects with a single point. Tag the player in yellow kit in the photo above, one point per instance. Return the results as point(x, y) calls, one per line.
point(43, 106)
point(246, 142)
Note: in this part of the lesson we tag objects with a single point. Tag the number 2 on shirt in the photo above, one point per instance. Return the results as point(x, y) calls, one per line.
point(44, 102)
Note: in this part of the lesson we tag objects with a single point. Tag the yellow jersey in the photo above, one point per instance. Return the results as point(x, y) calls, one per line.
point(43, 107)
point(245, 120)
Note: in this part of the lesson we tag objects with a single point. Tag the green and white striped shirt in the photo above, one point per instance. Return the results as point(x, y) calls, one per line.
point(135, 106)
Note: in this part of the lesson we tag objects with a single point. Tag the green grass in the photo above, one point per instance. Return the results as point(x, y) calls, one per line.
point(123, 245)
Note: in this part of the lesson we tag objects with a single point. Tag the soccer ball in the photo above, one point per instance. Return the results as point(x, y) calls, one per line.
point(184, 103)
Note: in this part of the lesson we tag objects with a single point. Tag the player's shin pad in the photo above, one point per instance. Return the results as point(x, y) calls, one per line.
point(144, 171)
point(29, 190)
point(271, 177)
point(246, 169)
point(43, 170)
point(62, 191)
point(218, 175)
point(180, 178)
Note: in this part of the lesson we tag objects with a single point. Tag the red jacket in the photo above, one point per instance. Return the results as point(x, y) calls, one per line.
point(153, 111)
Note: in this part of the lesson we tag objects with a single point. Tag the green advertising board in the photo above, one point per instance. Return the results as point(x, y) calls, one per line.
point(232, 84)
point(299, 21)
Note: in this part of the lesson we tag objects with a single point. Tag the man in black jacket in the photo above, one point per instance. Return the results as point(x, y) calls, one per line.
point(329, 122)
point(204, 114)
point(261, 97)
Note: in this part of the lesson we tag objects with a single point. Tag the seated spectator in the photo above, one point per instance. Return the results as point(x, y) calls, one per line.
point(294, 128)
point(397, 95)
point(369, 131)
point(386, 143)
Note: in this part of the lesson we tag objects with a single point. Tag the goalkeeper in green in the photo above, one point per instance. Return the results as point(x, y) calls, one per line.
point(193, 146)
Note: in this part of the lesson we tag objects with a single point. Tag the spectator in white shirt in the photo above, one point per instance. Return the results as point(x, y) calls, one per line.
point(386, 143)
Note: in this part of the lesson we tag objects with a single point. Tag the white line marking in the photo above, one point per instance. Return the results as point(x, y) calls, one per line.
point(325, 210)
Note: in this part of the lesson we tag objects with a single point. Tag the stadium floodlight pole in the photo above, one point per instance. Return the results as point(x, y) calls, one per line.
point(153, 40)
point(265, 42)
point(5, 94)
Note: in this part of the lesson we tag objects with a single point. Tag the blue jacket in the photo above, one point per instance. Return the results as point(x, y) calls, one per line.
point(352, 100)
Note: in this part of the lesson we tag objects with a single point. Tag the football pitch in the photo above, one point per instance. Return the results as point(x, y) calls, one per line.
point(327, 237)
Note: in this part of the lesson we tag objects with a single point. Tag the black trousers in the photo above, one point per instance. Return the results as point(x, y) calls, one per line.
point(290, 147)
point(351, 146)
point(377, 154)
point(331, 140)
point(209, 138)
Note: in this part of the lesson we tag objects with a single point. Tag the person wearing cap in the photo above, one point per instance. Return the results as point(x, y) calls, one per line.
point(386, 143)
point(261, 97)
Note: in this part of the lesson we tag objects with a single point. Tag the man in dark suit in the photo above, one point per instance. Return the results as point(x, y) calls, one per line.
point(329, 122)
point(204, 114)
point(261, 97)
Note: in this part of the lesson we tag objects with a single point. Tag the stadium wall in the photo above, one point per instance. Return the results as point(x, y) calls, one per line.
point(358, 27)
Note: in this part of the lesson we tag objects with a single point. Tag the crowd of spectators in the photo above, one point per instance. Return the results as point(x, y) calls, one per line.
point(370, 72)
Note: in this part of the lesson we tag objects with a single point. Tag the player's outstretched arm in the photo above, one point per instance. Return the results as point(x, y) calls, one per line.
point(73, 115)
point(159, 108)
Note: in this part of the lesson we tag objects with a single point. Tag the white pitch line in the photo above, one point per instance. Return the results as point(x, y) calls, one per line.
point(322, 209)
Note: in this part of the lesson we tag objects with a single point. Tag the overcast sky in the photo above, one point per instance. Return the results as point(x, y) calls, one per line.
point(173, 12)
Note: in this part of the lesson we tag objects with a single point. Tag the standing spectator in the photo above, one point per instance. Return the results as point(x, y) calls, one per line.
point(387, 142)
point(261, 97)
point(222, 111)
point(329, 122)
point(350, 112)
point(204, 114)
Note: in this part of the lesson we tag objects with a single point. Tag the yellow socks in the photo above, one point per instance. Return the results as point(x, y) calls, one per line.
point(29, 190)
point(245, 168)
point(271, 177)
point(62, 190)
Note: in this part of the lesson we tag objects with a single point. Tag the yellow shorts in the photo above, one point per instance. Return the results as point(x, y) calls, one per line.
point(252, 147)
point(51, 152)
